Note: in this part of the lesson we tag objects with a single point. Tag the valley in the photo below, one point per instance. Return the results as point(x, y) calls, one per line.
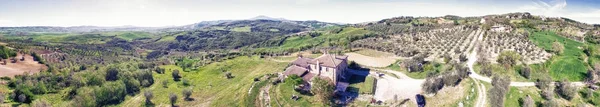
point(491, 60)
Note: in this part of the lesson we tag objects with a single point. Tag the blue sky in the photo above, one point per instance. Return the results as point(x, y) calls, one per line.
point(181, 12)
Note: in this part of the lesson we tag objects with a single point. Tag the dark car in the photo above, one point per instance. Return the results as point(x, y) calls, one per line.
point(420, 100)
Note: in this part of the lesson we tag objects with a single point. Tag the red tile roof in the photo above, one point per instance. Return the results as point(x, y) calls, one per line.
point(295, 70)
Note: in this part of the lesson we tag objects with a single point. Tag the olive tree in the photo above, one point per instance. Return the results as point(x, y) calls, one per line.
point(508, 58)
point(527, 102)
point(187, 93)
point(322, 89)
point(149, 95)
point(557, 47)
point(173, 99)
point(497, 93)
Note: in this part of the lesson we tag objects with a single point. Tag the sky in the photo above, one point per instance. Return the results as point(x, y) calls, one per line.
point(157, 13)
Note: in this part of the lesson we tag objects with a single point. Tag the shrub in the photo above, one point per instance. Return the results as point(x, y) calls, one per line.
point(173, 99)
point(508, 58)
point(149, 95)
point(112, 74)
point(415, 64)
point(187, 93)
point(527, 102)
point(85, 97)
point(295, 79)
point(2, 98)
point(323, 90)
point(36, 57)
point(486, 70)
point(525, 72)
point(132, 85)
point(432, 85)
point(566, 90)
point(40, 103)
point(145, 77)
point(228, 75)
point(543, 82)
point(557, 47)
point(547, 93)
point(463, 58)
point(550, 103)
point(186, 82)
point(159, 70)
point(165, 83)
point(176, 75)
point(498, 91)
point(110, 93)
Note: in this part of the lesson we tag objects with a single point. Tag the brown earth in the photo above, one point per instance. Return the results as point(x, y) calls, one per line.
point(21, 67)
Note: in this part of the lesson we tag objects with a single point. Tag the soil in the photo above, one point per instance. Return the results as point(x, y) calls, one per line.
point(21, 67)
point(371, 61)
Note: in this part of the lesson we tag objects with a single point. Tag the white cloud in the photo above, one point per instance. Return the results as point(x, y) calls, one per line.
point(558, 8)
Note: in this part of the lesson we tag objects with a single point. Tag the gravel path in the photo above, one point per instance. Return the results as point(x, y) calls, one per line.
point(403, 87)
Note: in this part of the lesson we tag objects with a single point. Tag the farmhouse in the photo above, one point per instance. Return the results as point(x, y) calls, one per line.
point(327, 66)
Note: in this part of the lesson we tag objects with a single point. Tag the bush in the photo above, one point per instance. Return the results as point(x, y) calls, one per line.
point(543, 82)
point(566, 90)
point(173, 99)
point(110, 93)
point(557, 47)
point(187, 93)
point(432, 85)
point(176, 75)
point(508, 58)
point(186, 82)
point(486, 70)
point(132, 85)
point(295, 79)
point(159, 70)
point(547, 94)
point(550, 103)
point(165, 83)
point(85, 97)
point(40, 103)
point(2, 98)
point(112, 74)
point(498, 91)
point(323, 90)
point(463, 58)
point(149, 95)
point(527, 102)
point(228, 75)
point(525, 72)
point(415, 64)
point(145, 77)
point(36, 57)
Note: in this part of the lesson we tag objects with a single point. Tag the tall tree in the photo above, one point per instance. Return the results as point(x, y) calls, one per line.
point(323, 90)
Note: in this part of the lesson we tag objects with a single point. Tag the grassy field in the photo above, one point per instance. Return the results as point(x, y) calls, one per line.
point(513, 72)
point(87, 38)
point(326, 39)
point(209, 85)
point(430, 67)
point(242, 29)
point(282, 93)
point(361, 84)
point(373, 53)
point(515, 94)
point(451, 96)
point(567, 65)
